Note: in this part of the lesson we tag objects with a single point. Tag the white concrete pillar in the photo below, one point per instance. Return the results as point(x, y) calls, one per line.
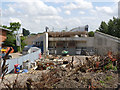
point(45, 44)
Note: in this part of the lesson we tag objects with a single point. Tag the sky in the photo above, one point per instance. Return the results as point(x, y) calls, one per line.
point(35, 15)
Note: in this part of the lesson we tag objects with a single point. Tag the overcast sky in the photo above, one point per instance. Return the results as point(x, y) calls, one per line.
point(35, 15)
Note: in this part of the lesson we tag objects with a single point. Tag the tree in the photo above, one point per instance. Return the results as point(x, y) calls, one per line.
point(117, 33)
point(103, 27)
point(26, 32)
point(91, 34)
point(11, 37)
point(112, 28)
point(22, 42)
point(33, 34)
point(5, 26)
point(39, 33)
point(63, 31)
point(10, 41)
point(14, 26)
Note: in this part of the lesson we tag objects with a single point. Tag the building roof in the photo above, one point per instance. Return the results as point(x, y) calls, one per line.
point(4, 29)
point(80, 28)
point(29, 40)
point(65, 34)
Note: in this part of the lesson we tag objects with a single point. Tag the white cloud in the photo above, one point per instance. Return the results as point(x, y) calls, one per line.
point(79, 4)
point(58, 9)
point(39, 8)
point(33, 7)
point(67, 12)
point(58, 1)
point(32, 15)
point(81, 12)
point(48, 18)
point(71, 6)
point(36, 14)
point(11, 10)
point(116, 0)
point(14, 20)
point(107, 10)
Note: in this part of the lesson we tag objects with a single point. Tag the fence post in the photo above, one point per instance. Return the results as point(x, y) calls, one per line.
point(0, 67)
point(0, 64)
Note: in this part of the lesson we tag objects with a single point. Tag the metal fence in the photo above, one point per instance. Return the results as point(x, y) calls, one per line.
point(32, 57)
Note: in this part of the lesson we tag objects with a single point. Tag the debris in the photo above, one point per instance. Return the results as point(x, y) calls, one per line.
point(24, 71)
point(26, 64)
point(45, 65)
point(65, 62)
point(16, 68)
point(4, 66)
point(64, 53)
point(72, 71)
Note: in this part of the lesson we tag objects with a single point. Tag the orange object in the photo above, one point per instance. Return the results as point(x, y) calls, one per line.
point(109, 53)
point(8, 48)
point(110, 56)
point(97, 64)
point(40, 56)
point(114, 59)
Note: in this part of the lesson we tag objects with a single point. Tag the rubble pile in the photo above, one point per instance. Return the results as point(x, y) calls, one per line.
point(72, 72)
point(60, 78)
point(89, 79)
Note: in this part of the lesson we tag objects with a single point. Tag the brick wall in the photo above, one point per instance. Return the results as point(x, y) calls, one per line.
point(3, 34)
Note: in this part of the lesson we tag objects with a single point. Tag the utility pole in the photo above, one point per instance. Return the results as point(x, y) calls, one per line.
point(66, 28)
point(53, 29)
point(18, 40)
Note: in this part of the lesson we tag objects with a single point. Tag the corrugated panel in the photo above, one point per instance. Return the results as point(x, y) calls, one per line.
point(31, 57)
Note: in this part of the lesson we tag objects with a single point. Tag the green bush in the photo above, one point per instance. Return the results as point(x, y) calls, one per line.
point(102, 81)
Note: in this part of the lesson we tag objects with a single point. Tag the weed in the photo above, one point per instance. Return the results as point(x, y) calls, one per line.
point(108, 77)
point(102, 81)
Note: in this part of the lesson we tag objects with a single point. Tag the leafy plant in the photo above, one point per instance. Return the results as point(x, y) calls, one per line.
point(91, 34)
point(108, 77)
point(25, 32)
point(111, 28)
point(102, 81)
point(11, 36)
point(115, 68)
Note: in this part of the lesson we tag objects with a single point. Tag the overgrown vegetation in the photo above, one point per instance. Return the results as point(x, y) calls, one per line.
point(111, 28)
point(26, 32)
point(91, 34)
point(11, 36)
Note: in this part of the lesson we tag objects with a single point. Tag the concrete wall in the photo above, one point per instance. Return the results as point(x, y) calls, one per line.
point(105, 43)
point(86, 42)
point(101, 43)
